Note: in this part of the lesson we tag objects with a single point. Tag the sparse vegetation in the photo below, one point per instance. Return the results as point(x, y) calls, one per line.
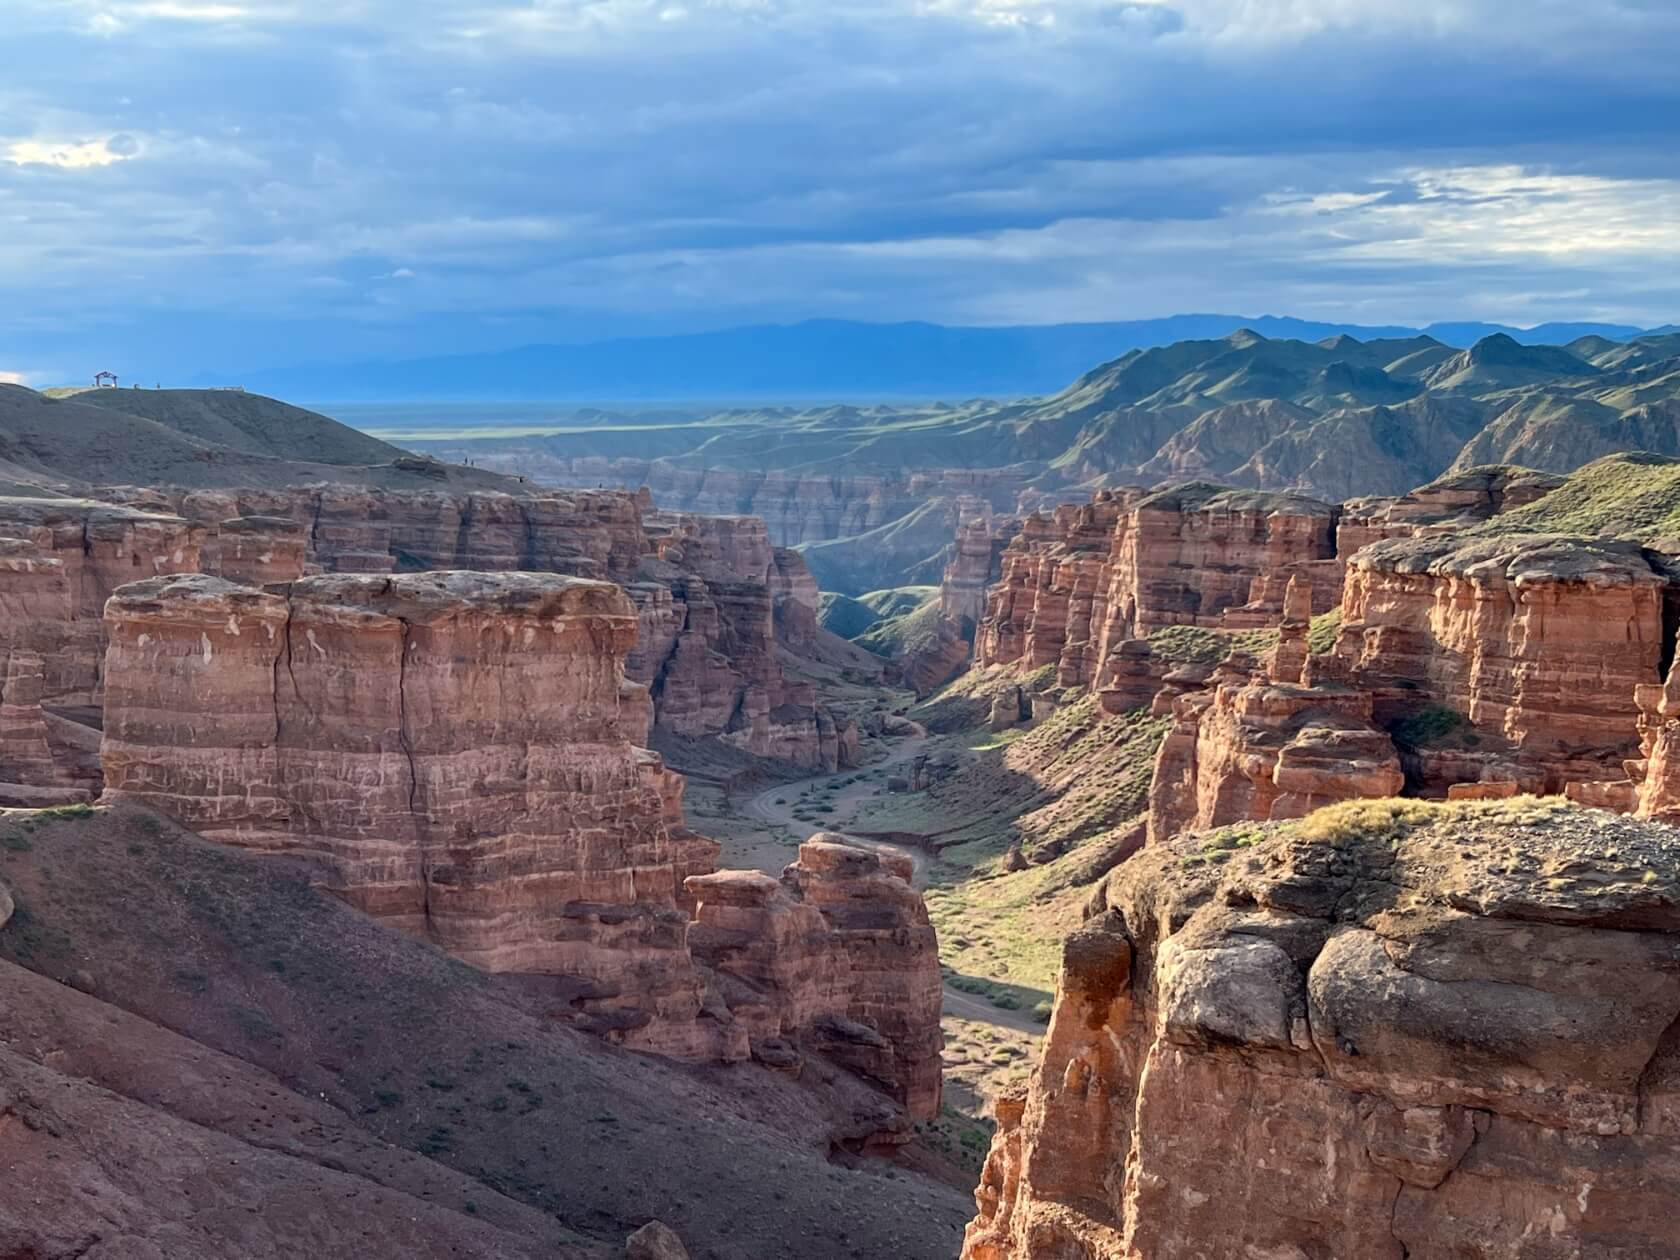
point(1197, 645)
point(1321, 634)
point(1428, 727)
point(1391, 818)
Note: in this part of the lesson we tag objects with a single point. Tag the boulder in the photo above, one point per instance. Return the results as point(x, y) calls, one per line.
point(655, 1241)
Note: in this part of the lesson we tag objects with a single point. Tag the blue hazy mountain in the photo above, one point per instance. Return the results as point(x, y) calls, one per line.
point(828, 359)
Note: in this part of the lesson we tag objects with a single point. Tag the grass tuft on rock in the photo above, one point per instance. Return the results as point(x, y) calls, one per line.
point(1392, 817)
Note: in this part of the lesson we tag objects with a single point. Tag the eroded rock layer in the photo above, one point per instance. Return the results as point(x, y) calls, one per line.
point(1401, 1030)
point(1502, 664)
point(458, 754)
point(1075, 587)
point(457, 751)
point(718, 602)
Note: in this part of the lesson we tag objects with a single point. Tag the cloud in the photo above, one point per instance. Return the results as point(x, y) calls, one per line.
point(71, 154)
point(571, 167)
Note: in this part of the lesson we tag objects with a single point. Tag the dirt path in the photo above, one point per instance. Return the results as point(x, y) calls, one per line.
point(775, 807)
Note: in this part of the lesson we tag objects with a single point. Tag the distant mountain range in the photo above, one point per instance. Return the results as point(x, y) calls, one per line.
point(832, 359)
point(872, 491)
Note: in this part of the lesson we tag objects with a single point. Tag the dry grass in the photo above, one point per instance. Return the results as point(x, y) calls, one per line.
point(1393, 817)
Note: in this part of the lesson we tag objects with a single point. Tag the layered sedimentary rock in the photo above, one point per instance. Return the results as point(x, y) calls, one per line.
point(1536, 641)
point(716, 599)
point(715, 605)
point(1507, 661)
point(259, 550)
point(458, 754)
point(59, 561)
point(797, 507)
point(1449, 504)
point(63, 558)
point(1362, 1039)
point(362, 529)
point(1253, 746)
point(838, 955)
point(457, 751)
point(1074, 587)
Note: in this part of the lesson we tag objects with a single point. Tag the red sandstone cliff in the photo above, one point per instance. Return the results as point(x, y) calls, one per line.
point(458, 754)
point(1448, 1031)
point(1076, 588)
point(1490, 666)
point(718, 603)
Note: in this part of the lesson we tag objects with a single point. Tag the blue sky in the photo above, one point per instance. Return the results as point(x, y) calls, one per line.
point(188, 184)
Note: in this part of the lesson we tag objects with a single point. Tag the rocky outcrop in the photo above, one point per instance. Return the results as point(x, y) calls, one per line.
point(459, 755)
point(365, 529)
point(715, 606)
point(1537, 642)
point(837, 955)
point(457, 752)
point(62, 559)
point(1448, 505)
point(258, 550)
point(1074, 588)
point(1253, 746)
point(717, 602)
point(1505, 661)
point(1419, 1046)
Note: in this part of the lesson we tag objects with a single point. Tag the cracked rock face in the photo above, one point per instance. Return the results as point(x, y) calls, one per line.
point(1077, 586)
point(457, 753)
point(1412, 1030)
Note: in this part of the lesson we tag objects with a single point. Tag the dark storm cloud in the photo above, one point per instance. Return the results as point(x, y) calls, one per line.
point(411, 175)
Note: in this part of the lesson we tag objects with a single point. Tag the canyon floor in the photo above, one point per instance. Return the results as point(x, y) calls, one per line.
point(1065, 790)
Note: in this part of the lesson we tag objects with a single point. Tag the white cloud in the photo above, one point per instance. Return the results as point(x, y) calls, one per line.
point(12, 378)
point(70, 154)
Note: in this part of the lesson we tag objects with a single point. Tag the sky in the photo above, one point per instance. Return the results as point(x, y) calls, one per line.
point(190, 185)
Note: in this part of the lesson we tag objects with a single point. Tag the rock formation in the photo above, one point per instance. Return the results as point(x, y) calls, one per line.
point(1397, 1029)
point(1537, 642)
point(1486, 667)
point(459, 755)
point(713, 671)
point(1255, 747)
point(838, 954)
point(59, 561)
point(1076, 587)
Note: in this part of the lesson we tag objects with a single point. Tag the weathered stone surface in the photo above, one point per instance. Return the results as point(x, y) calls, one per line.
point(1074, 589)
point(838, 954)
point(61, 559)
point(655, 1241)
point(1536, 640)
point(1447, 1034)
point(1254, 748)
point(717, 601)
point(259, 550)
point(457, 751)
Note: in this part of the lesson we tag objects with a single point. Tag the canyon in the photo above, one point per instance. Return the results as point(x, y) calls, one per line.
point(871, 494)
point(1364, 836)
point(438, 706)
point(1341, 826)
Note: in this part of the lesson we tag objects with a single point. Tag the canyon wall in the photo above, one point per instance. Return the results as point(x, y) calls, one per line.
point(717, 601)
point(796, 507)
point(1076, 587)
point(1363, 1039)
point(60, 559)
point(459, 754)
point(1497, 665)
